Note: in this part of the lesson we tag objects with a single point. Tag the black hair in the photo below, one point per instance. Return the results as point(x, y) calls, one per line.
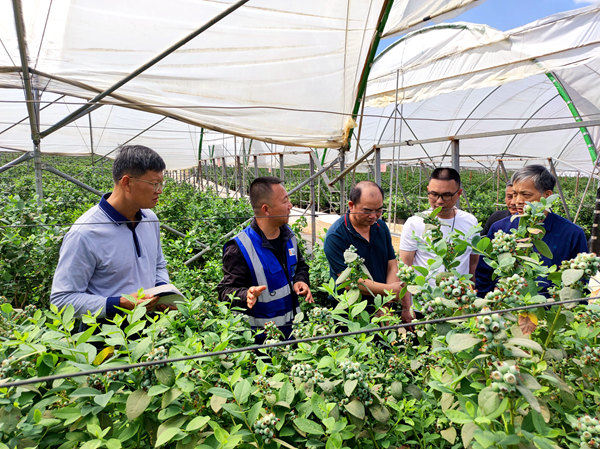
point(356, 191)
point(136, 160)
point(261, 190)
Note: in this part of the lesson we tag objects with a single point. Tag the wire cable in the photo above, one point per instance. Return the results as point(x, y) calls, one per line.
point(131, 366)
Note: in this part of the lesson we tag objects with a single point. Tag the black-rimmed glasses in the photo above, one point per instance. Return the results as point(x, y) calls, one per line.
point(445, 196)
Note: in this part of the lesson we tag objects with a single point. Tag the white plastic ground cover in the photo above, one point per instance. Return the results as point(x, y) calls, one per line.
point(464, 79)
point(278, 71)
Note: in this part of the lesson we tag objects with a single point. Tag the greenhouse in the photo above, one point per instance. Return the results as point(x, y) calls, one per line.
point(228, 92)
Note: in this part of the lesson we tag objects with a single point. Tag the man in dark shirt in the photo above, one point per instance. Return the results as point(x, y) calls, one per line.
point(564, 238)
point(509, 194)
point(263, 269)
point(362, 227)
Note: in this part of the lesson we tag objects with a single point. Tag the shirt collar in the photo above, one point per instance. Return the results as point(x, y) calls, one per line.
point(114, 214)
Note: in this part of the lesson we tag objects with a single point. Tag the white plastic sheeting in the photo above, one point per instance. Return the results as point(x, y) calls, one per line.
point(463, 79)
point(285, 72)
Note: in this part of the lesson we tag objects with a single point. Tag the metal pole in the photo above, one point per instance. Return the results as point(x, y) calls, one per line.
point(214, 164)
point(281, 169)
point(32, 98)
point(224, 175)
point(238, 170)
point(342, 158)
point(501, 164)
point(378, 166)
point(313, 208)
point(69, 118)
point(456, 155)
point(255, 166)
point(560, 191)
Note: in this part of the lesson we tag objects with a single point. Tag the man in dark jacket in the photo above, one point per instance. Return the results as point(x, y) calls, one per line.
point(263, 269)
point(511, 209)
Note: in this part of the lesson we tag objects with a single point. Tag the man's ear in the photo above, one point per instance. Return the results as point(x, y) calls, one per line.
point(124, 182)
point(264, 209)
point(350, 204)
point(547, 193)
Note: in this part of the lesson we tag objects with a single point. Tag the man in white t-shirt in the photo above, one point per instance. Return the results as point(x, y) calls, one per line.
point(443, 190)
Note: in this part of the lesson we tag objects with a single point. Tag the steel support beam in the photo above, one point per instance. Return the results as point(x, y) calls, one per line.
point(560, 191)
point(23, 158)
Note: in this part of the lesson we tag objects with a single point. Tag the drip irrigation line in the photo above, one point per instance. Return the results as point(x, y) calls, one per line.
point(131, 366)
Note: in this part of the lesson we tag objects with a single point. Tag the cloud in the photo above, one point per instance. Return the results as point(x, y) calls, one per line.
point(585, 1)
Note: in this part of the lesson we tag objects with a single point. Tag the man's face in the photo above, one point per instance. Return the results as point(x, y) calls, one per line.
point(279, 205)
point(368, 209)
point(146, 189)
point(509, 199)
point(526, 191)
point(443, 193)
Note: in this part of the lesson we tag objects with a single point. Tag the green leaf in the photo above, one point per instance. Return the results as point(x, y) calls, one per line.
point(197, 423)
point(506, 260)
point(529, 397)
point(380, 413)
point(242, 391)
point(458, 417)
point(166, 436)
point(68, 315)
point(334, 441)
point(318, 406)
point(526, 343)
point(396, 389)
point(358, 308)
point(155, 390)
point(349, 386)
point(449, 434)
point(170, 396)
point(216, 403)
point(467, 432)
point(488, 401)
point(343, 276)
point(235, 376)
point(356, 408)
point(137, 402)
point(570, 276)
point(141, 348)
point(287, 393)
point(221, 392)
point(543, 248)
point(165, 375)
point(102, 399)
point(254, 412)
point(461, 342)
point(113, 443)
point(308, 426)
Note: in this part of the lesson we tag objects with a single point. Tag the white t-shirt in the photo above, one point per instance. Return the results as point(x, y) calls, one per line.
point(463, 222)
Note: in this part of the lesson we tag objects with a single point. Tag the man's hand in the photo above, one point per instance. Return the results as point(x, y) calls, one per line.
point(407, 316)
point(253, 294)
point(395, 287)
point(147, 301)
point(302, 289)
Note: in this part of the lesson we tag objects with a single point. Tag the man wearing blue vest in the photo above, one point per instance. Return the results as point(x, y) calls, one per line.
point(264, 272)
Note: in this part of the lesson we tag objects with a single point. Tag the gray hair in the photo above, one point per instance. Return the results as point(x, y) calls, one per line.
point(542, 179)
point(136, 160)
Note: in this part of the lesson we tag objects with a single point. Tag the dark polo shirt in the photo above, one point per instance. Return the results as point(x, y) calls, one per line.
point(376, 253)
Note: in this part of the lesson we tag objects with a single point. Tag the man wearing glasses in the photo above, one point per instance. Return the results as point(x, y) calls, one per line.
point(114, 248)
point(363, 228)
point(443, 191)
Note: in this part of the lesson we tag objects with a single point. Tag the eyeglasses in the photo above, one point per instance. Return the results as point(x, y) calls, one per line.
point(445, 196)
point(366, 211)
point(156, 185)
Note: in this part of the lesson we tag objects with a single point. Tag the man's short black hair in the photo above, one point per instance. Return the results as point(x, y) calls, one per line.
point(542, 179)
point(261, 190)
point(136, 160)
point(356, 191)
point(446, 174)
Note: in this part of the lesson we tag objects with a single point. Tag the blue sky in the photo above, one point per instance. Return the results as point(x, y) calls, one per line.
point(507, 14)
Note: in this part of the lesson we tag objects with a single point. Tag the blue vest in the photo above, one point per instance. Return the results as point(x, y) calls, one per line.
point(277, 302)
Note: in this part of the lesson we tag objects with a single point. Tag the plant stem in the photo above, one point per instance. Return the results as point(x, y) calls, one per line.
point(551, 331)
